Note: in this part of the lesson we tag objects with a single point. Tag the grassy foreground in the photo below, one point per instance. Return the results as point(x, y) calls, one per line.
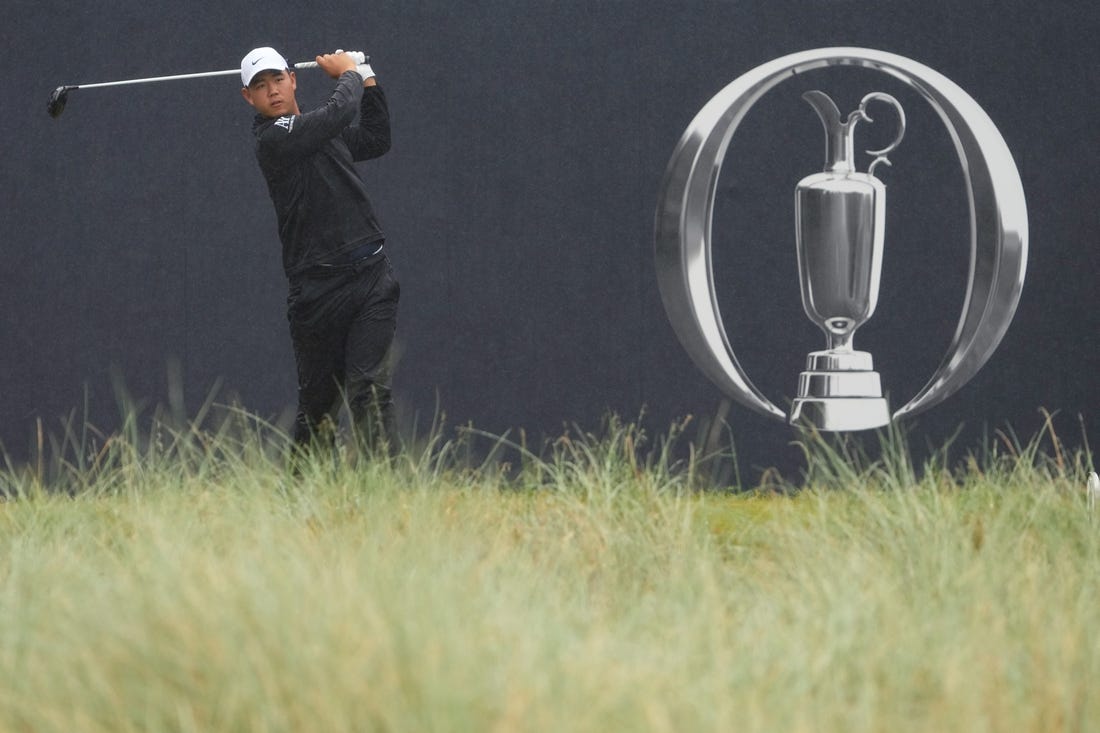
point(186, 583)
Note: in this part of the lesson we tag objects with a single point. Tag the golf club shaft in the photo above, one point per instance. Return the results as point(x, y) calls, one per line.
point(359, 57)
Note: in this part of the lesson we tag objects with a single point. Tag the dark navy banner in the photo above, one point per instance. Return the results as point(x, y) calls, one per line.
point(518, 200)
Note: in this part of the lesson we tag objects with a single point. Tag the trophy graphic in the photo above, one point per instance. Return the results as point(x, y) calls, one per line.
point(839, 225)
point(840, 215)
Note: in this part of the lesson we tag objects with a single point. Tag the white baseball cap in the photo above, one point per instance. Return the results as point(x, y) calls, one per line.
point(261, 59)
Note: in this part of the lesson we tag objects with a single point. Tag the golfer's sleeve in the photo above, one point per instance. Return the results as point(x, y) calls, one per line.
point(297, 136)
point(371, 137)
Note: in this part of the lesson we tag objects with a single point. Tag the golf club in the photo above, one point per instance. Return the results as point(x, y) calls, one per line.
point(60, 95)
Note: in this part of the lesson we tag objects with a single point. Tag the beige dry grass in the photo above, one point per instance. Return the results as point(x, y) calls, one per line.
point(184, 583)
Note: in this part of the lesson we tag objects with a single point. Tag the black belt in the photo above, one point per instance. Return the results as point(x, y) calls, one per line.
point(362, 256)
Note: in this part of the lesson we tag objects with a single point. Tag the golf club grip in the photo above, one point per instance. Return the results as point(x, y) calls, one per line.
point(359, 56)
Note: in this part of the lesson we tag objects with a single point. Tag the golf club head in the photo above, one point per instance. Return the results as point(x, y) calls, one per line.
point(57, 101)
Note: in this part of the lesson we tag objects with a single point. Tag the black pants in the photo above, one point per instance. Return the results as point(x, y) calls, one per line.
point(342, 323)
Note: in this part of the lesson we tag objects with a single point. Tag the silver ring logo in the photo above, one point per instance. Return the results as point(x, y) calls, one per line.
point(998, 223)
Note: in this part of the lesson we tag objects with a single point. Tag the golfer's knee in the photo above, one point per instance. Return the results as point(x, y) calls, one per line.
point(372, 410)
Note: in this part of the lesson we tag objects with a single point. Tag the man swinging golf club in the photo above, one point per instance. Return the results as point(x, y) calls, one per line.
point(342, 305)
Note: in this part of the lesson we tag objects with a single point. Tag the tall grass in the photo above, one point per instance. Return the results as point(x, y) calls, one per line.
point(181, 579)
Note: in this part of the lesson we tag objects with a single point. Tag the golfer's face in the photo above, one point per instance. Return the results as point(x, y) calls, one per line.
point(272, 93)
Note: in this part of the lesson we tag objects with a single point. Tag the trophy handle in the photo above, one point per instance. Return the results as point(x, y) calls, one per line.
point(882, 153)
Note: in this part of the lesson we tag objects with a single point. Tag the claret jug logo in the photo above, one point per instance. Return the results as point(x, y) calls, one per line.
point(839, 235)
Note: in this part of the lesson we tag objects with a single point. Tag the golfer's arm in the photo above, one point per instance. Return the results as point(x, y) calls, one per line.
point(304, 134)
point(371, 137)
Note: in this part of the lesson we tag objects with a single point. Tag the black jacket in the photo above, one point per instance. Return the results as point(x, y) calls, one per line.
point(308, 161)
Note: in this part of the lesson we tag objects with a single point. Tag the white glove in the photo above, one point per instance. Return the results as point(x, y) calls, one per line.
point(363, 62)
point(359, 56)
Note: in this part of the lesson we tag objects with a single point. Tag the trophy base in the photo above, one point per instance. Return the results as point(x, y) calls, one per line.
point(839, 391)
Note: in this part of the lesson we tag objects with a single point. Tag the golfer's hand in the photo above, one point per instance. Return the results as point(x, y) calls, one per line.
point(335, 64)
